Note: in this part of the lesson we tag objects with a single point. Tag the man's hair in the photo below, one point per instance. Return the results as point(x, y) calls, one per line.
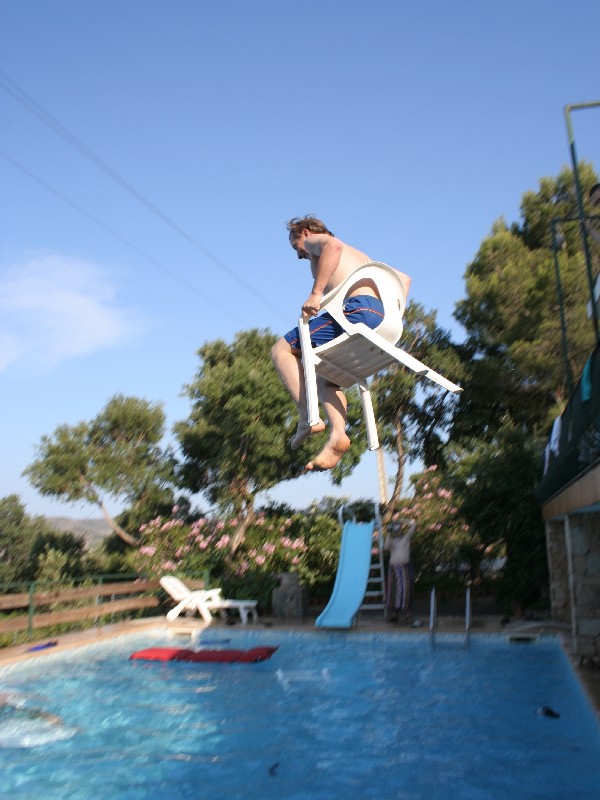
point(297, 224)
point(594, 190)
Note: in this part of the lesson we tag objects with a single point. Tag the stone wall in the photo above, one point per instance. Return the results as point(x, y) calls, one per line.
point(573, 545)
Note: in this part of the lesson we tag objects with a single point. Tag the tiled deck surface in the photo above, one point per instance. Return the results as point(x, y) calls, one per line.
point(589, 677)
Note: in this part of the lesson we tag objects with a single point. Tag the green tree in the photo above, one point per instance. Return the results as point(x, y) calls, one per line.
point(414, 413)
point(118, 454)
point(23, 539)
point(494, 484)
point(511, 314)
point(515, 381)
point(235, 441)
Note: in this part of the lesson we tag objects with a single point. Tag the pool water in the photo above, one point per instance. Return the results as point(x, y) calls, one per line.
point(329, 716)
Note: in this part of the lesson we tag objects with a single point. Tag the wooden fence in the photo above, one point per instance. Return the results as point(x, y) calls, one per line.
point(48, 607)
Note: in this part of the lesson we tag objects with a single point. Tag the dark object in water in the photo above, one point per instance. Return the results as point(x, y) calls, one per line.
point(273, 768)
point(546, 711)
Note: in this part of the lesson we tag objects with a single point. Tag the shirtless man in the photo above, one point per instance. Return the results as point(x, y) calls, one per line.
point(331, 261)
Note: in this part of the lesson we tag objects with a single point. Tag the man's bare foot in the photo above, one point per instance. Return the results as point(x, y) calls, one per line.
point(304, 431)
point(329, 455)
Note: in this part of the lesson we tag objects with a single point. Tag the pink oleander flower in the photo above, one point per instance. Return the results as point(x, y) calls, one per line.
point(169, 566)
point(223, 542)
point(242, 569)
point(147, 550)
point(260, 559)
point(298, 544)
point(269, 548)
point(220, 525)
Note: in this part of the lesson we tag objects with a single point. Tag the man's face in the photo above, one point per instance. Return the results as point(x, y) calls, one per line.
point(297, 241)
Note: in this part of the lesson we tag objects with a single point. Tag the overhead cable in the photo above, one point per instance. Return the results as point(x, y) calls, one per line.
point(22, 97)
point(108, 229)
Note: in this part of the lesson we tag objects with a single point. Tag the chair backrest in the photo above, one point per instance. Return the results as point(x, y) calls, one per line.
point(175, 587)
point(390, 288)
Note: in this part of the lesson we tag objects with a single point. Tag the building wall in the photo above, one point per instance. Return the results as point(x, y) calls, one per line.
point(573, 544)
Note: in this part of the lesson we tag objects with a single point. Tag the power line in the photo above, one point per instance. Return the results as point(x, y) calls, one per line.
point(108, 229)
point(22, 97)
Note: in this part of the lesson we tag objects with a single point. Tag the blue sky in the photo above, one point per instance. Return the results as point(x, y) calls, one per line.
point(409, 128)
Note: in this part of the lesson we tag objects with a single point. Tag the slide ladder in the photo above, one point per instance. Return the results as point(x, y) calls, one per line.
point(351, 578)
point(374, 599)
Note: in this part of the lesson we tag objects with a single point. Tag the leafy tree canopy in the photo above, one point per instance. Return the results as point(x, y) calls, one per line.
point(493, 483)
point(512, 315)
point(414, 413)
point(117, 454)
point(235, 441)
point(23, 539)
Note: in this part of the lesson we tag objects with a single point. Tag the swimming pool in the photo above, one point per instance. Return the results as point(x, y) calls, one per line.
point(329, 716)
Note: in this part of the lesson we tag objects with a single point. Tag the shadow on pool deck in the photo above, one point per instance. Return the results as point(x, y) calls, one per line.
point(588, 676)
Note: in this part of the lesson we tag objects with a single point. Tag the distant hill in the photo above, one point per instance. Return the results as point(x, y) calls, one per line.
point(92, 530)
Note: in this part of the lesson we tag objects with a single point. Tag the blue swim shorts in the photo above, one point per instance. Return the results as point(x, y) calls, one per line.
point(362, 308)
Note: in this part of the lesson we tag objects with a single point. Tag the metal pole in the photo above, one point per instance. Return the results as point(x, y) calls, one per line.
point(468, 610)
point(381, 477)
point(563, 324)
point(432, 610)
point(582, 225)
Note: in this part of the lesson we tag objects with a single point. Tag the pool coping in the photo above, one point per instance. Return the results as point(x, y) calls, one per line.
point(589, 678)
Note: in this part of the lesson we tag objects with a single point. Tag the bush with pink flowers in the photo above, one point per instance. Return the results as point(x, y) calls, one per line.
point(306, 543)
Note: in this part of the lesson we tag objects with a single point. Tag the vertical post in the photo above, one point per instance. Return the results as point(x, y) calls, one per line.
point(580, 208)
point(561, 305)
point(381, 477)
point(468, 610)
point(571, 575)
point(31, 608)
point(432, 610)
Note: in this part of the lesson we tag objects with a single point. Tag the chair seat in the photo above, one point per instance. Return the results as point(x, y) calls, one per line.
point(351, 358)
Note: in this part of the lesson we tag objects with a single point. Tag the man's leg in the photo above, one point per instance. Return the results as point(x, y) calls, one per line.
point(335, 406)
point(289, 367)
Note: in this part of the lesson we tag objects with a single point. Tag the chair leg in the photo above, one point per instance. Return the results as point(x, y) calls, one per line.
point(310, 375)
point(176, 611)
point(367, 404)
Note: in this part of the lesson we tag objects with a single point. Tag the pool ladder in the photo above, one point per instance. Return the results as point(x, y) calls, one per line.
point(433, 611)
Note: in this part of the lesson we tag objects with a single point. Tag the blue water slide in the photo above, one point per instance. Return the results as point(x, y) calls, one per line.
point(351, 578)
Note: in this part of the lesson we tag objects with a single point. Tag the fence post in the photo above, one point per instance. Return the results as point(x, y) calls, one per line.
point(31, 607)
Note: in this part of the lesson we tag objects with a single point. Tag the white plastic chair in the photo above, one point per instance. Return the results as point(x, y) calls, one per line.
point(360, 351)
point(204, 601)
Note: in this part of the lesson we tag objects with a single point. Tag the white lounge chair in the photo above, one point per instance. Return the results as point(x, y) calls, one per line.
point(204, 601)
point(360, 351)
